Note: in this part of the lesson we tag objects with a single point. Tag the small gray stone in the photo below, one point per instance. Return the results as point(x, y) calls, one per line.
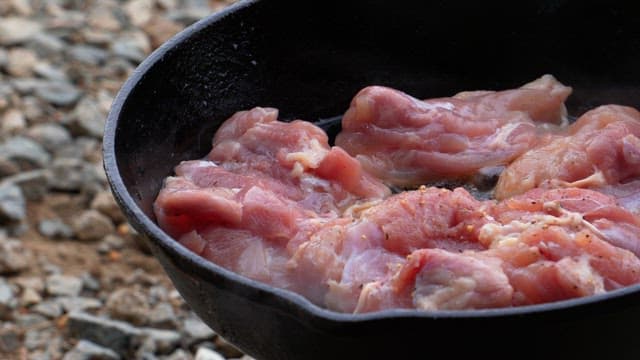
point(110, 242)
point(87, 54)
point(158, 293)
point(46, 45)
point(58, 93)
point(51, 269)
point(140, 277)
point(13, 256)
point(50, 72)
point(78, 303)
point(63, 285)
point(204, 353)
point(162, 316)
point(179, 354)
point(12, 205)
point(92, 225)
point(128, 304)
point(48, 308)
point(87, 350)
point(38, 339)
point(74, 175)
point(163, 341)
point(115, 335)
point(90, 282)
point(132, 46)
point(54, 229)
point(25, 152)
point(129, 51)
point(82, 147)
point(34, 183)
point(87, 119)
point(27, 86)
point(51, 136)
point(106, 204)
point(16, 30)
point(197, 331)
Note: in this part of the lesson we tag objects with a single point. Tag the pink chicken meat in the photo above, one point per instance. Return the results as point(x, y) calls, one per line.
point(601, 150)
point(408, 142)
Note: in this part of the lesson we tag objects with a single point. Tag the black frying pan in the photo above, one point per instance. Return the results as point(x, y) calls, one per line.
point(308, 58)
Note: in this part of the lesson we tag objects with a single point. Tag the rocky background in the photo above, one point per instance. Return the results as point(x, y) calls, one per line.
point(76, 281)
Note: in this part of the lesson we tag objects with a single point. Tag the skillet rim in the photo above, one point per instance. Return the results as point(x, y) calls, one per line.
point(155, 234)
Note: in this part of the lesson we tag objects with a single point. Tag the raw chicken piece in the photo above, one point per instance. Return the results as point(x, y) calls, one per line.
point(407, 142)
point(435, 279)
point(563, 243)
point(601, 148)
point(348, 256)
point(588, 209)
point(297, 154)
point(182, 207)
point(428, 218)
point(338, 260)
point(241, 252)
point(342, 257)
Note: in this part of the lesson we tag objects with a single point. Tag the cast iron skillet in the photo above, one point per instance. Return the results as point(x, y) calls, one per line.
point(308, 58)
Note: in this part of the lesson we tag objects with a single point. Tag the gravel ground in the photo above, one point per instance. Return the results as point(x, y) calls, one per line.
point(76, 282)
